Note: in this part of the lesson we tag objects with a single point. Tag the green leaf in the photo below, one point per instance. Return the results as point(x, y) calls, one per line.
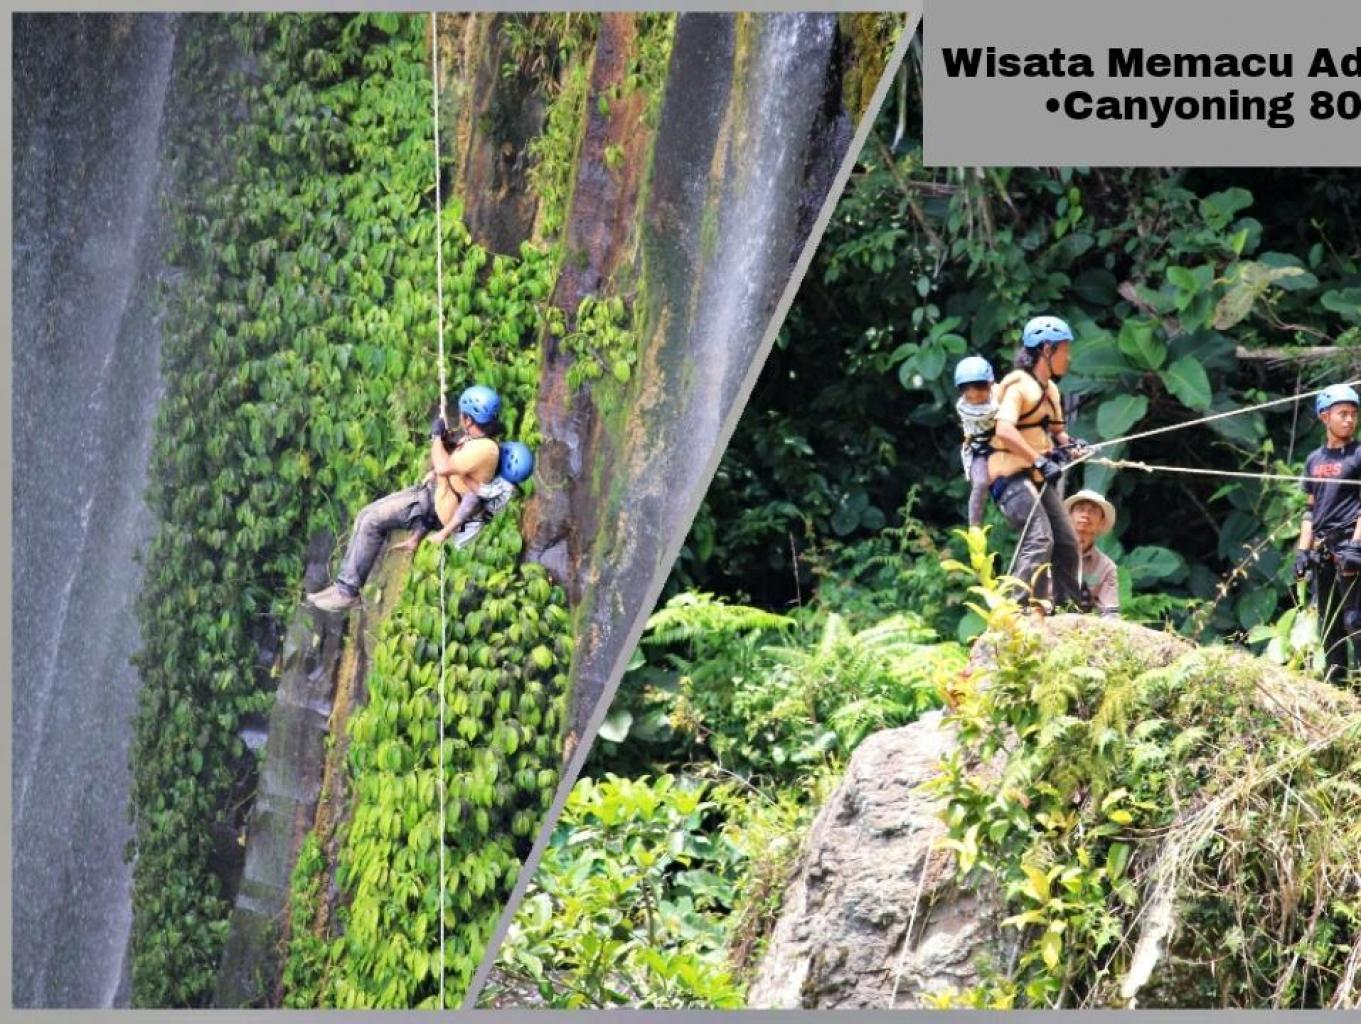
point(1037, 883)
point(1117, 415)
point(970, 626)
point(1099, 356)
point(931, 361)
point(1183, 279)
point(1137, 342)
point(1150, 563)
point(1246, 429)
point(1255, 606)
point(615, 727)
point(1346, 302)
point(1219, 208)
point(1097, 287)
point(1117, 859)
point(1051, 948)
point(1187, 379)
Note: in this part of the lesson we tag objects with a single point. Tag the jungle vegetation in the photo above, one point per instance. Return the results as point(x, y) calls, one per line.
point(815, 598)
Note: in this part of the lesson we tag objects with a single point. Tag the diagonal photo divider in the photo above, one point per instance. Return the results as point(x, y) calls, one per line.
point(707, 315)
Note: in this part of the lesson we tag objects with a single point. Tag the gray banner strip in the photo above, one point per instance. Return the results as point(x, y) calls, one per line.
point(573, 768)
point(1164, 82)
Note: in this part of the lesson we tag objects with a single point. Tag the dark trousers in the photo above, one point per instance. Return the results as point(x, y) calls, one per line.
point(1047, 555)
point(1339, 614)
point(405, 510)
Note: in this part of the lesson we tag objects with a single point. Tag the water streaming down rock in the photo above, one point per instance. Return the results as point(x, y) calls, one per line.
point(751, 134)
point(89, 98)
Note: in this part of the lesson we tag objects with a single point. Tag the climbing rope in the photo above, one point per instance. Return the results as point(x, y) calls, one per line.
point(1026, 528)
point(439, 226)
point(1089, 455)
point(1200, 471)
point(443, 389)
point(1210, 419)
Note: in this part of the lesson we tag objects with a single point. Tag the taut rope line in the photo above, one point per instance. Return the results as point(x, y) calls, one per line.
point(443, 388)
point(1209, 419)
point(1091, 449)
point(1198, 471)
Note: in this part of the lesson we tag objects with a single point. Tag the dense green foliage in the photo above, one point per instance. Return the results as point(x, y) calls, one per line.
point(755, 712)
point(630, 908)
point(505, 672)
point(1122, 801)
point(300, 371)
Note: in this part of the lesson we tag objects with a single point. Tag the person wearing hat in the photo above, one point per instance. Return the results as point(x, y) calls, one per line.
point(1093, 517)
point(1025, 471)
point(1332, 526)
point(461, 461)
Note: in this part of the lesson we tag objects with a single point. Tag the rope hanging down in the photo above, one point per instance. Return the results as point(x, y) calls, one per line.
point(443, 389)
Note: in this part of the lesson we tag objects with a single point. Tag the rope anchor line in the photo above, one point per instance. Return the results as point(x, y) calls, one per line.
point(1203, 471)
point(443, 390)
point(1288, 399)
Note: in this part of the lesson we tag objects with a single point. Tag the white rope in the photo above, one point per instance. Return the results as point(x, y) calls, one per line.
point(1197, 471)
point(911, 923)
point(439, 226)
point(1024, 529)
point(443, 618)
point(1211, 418)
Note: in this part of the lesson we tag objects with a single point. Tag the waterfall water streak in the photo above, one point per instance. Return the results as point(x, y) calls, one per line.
point(90, 95)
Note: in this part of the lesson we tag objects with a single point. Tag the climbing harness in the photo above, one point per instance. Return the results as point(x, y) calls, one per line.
point(443, 389)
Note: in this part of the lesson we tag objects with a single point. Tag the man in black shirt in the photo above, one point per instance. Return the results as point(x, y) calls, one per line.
point(1333, 519)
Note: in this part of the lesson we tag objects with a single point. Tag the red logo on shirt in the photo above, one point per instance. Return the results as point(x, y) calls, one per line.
point(1327, 469)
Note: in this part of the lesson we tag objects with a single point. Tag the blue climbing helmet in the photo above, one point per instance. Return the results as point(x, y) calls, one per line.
point(1335, 394)
point(973, 370)
point(481, 403)
point(517, 462)
point(1045, 330)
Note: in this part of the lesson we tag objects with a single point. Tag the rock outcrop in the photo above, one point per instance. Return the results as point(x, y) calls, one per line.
point(872, 881)
point(873, 917)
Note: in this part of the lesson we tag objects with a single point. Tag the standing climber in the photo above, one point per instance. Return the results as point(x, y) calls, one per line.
point(1026, 477)
point(1332, 523)
point(977, 409)
point(460, 462)
point(1098, 584)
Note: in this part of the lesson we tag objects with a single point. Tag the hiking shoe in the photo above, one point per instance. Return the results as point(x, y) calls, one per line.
point(333, 599)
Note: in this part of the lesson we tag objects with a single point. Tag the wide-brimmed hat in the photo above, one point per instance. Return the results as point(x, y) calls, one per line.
point(1096, 499)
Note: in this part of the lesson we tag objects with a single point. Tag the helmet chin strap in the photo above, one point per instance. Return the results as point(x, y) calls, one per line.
point(1048, 356)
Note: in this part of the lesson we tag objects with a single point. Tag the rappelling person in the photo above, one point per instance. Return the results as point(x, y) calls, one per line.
point(1098, 582)
point(464, 464)
point(1329, 547)
point(977, 409)
point(480, 502)
point(1025, 470)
